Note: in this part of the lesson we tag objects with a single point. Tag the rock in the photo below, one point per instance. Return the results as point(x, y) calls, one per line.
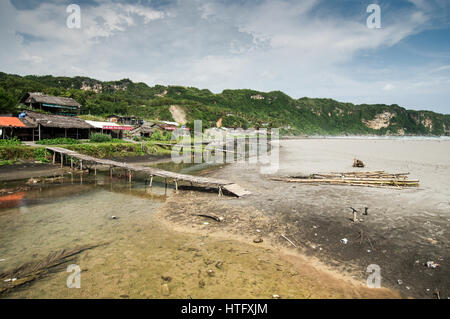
point(344, 241)
point(201, 283)
point(165, 290)
point(166, 278)
point(219, 265)
point(276, 296)
point(258, 240)
point(210, 273)
point(114, 217)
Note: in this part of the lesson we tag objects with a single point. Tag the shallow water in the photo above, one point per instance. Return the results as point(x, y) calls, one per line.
point(72, 213)
point(139, 250)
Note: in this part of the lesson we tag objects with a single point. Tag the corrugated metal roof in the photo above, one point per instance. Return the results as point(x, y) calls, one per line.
point(7, 121)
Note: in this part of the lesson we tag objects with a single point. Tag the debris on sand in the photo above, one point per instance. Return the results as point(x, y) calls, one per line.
point(258, 240)
point(276, 296)
point(216, 218)
point(432, 264)
point(344, 241)
point(219, 264)
point(368, 179)
point(357, 163)
point(37, 269)
point(289, 241)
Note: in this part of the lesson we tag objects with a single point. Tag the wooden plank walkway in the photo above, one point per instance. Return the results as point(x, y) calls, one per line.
point(199, 181)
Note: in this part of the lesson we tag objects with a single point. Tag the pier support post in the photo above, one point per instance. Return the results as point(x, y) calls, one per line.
point(176, 187)
point(151, 181)
point(62, 160)
point(95, 170)
point(54, 157)
point(220, 191)
point(110, 171)
point(81, 166)
point(129, 176)
point(71, 163)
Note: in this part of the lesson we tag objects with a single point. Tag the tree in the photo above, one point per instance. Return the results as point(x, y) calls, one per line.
point(7, 101)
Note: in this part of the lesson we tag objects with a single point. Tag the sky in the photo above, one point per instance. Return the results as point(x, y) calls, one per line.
point(314, 48)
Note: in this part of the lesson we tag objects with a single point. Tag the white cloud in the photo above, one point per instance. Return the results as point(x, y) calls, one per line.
point(266, 45)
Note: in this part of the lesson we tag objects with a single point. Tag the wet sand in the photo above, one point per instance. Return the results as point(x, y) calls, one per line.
point(404, 229)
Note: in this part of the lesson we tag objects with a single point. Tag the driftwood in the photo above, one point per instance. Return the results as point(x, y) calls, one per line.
point(373, 179)
point(37, 269)
point(289, 241)
point(217, 219)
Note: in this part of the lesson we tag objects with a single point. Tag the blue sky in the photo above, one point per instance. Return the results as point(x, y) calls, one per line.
point(315, 48)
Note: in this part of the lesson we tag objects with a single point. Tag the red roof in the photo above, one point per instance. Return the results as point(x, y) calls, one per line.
point(11, 121)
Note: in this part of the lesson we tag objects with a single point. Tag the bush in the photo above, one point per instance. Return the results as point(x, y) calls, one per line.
point(100, 138)
point(42, 155)
point(59, 141)
point(161, 136)
point(11, 142)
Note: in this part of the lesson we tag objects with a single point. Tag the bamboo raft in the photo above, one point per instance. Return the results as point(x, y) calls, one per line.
point(176, 178)
point(369, 179)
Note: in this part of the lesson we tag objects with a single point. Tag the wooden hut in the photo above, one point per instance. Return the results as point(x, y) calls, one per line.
point(52, 104)
point(47, 126)
point(12, 126)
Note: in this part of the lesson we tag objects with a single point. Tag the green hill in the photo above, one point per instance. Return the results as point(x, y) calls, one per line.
point(238, 108)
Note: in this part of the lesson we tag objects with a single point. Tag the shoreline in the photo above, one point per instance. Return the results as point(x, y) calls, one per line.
point(312, 269)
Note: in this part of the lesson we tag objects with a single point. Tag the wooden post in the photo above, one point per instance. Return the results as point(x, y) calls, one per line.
point(110, 171)
point(62, 159)
point(151, 181)
point(54, 157)
point(95, 170)
point(165, 183)
point(176, 187)
point(220, 191)
point(39, 128)
point(81, 165)
point(71, 163)
point(129, 176)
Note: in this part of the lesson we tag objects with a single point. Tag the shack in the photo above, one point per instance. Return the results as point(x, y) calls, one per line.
point(125, 120)
point(114, 129)
point(51, 104)
point(47, 126)
point(12, 126)
point(145, 130)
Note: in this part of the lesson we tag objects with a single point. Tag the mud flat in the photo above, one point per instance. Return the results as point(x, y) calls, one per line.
point(404, 228)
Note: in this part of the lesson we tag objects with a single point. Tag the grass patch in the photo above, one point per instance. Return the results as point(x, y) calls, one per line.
point(58, 141)
point(11, 142)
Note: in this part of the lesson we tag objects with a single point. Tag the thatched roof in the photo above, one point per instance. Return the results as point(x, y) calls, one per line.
point(50, 120)
point(47, 99)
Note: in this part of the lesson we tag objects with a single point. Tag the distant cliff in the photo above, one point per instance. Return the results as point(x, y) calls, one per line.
point(237, 108)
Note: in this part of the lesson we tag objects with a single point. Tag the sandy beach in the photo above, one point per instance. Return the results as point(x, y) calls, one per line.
point(405, 228)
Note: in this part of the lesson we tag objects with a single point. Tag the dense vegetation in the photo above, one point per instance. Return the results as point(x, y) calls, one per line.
point(237, 108)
